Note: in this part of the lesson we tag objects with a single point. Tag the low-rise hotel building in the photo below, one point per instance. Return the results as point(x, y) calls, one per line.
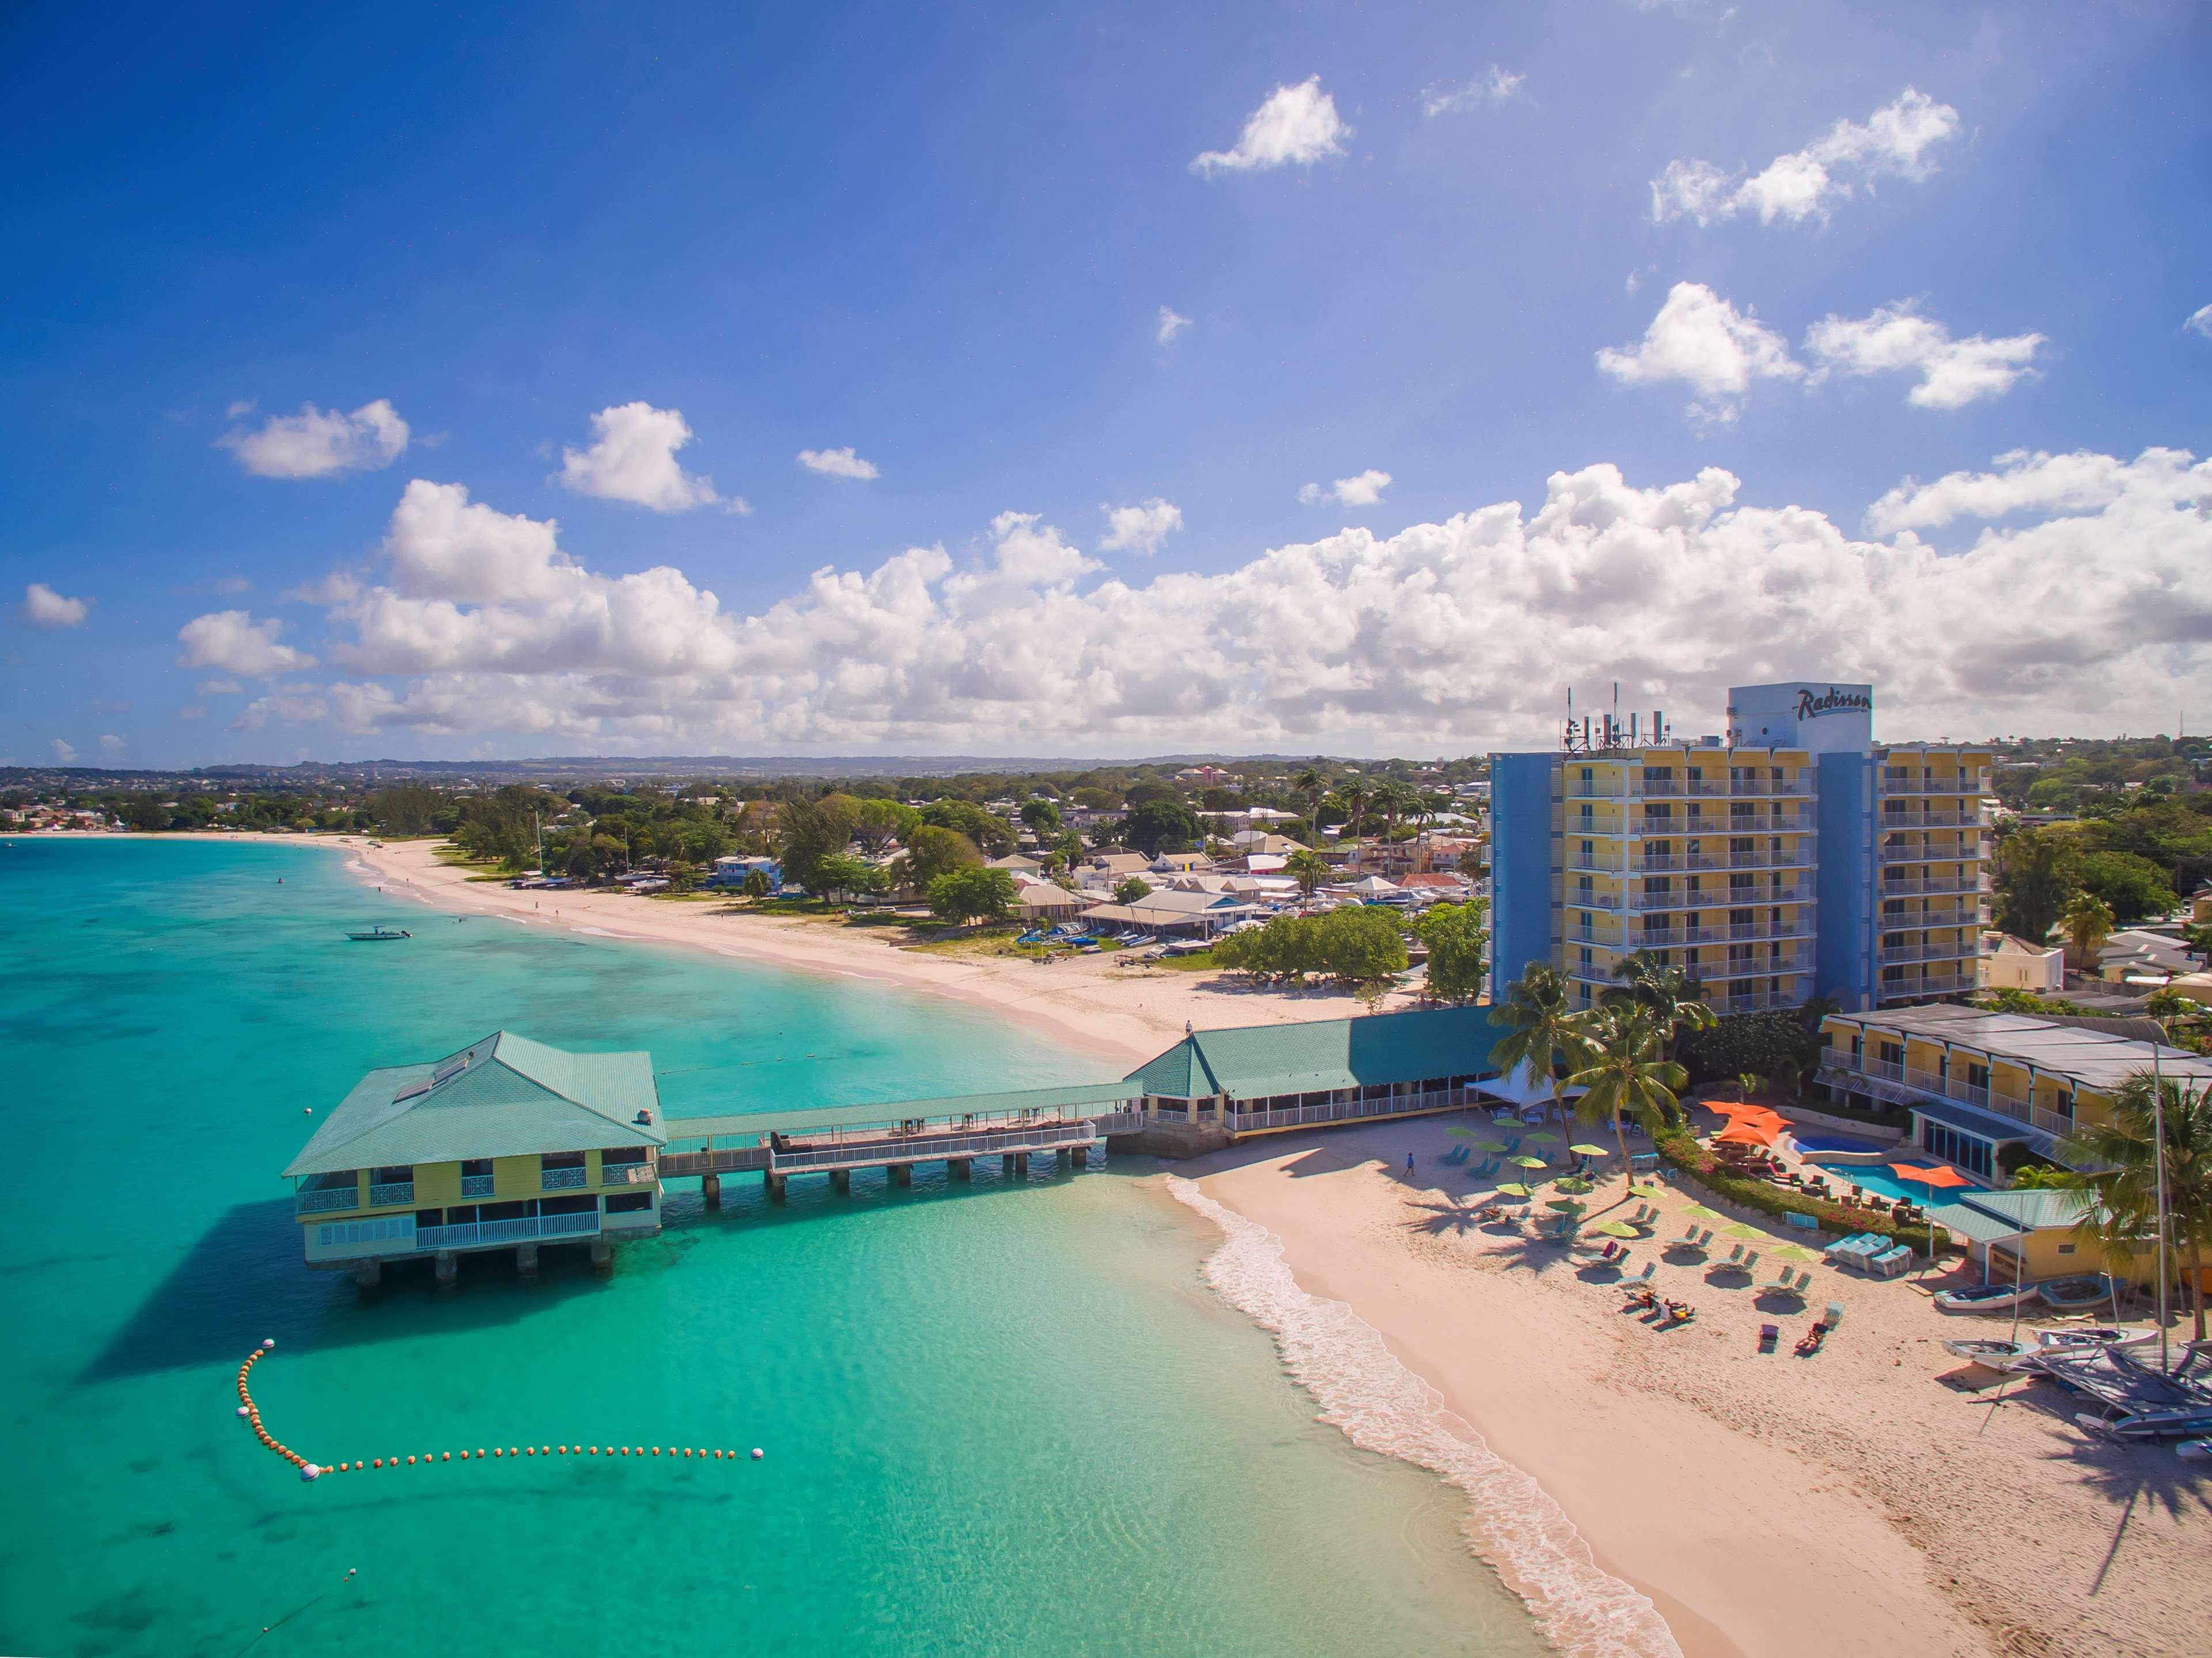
point(1790, 858)
point(506, 1145)
point(1977, 1083)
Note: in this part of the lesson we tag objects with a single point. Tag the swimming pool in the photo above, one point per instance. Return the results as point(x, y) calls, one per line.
point(1880, 1180)
point(1813, 1143)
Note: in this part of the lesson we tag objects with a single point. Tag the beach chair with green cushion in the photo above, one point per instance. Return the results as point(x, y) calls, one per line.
point(1750, 1264)
point(1688, 1237)
point(1735, 1258)
point(1783, 1287)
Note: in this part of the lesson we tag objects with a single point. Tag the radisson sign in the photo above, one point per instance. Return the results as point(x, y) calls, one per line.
point(1810, 706)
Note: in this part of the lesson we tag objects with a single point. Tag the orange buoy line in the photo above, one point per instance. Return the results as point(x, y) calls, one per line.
point(310, 1471)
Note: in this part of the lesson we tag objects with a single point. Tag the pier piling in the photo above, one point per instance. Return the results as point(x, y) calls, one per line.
point(603, 1255)
point(841, 1179)
point(902, 1173)
point(775, 1183)
point(1081, 1155)
point(1059, 1161)
point(369, 1273)
point(710, 1188)
point(959, 1168)
point(449, 1266)
point(526, 1260)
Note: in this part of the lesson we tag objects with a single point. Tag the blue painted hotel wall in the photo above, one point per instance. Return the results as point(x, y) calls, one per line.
point(1842, 954)
point(1519, 865)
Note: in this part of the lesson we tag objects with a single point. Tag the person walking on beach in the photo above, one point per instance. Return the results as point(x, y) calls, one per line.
point(1409, 1165)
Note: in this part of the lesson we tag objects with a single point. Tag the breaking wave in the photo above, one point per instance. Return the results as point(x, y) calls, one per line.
point(1382, 1406)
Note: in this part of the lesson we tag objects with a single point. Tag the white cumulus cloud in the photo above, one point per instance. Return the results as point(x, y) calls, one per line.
point(1702, 341)
point(2200, 321)
point(63, 751)
point(838, 464)
point(1895, 142)
point(111, 744)
point(1141, 528)
point(1495, 86)
point(2090, 588)
point(319, 442)
point(632, 457)
point(1171, 323)
point(1898, 339)
point(45, 607)
point(1361, 489)
point(1298, 126)
point(234, 642)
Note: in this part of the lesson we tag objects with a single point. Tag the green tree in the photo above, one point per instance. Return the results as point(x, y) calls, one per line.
point(1353, 795)
point(877, 823)
point(842, 876)
point(932, 851)
point(1160, 826)
point(145, 814)
point(985, 829)
point(1042, 817)
point(2133, 887)
point(810, 831)
point(975, 894)
point(2089, 924)
point(1360, 944)
point(1310, 783)
point(1626, 1073)
point(1309, 869)
point(2038, 870)
point(2123, 1156)
point(1128, 890)
point(1457, 939)
point(1543, 1032)
point(404, 809)
point(756, 883)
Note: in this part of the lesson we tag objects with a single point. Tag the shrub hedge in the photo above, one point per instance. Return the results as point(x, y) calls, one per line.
point(1680, 1148)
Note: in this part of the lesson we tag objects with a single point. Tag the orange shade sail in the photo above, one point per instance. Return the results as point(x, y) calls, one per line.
point(1744, 1133)
point(1943, 1176)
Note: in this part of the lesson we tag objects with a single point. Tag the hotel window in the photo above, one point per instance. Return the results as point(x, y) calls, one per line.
point(1657, 883)
point(627, 1203)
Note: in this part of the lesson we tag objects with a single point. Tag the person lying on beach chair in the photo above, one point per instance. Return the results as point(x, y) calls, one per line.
point(1680, 1312)
point(1810, 1343)
point(1643, 1297)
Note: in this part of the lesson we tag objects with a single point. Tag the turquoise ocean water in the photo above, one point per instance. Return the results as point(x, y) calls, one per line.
point(997, 1420)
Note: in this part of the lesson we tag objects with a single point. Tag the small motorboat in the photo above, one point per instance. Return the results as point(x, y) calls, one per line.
point(1984, 1297)
point(378, 935)
point(2090, 1337)
point(2195, 1450)
point(2076, 1292)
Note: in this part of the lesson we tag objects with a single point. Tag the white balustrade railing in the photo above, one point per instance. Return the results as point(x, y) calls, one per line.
point(523, 1229)
point(319, 1200)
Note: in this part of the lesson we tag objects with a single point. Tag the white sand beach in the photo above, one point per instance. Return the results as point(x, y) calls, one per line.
point(1119, 1009)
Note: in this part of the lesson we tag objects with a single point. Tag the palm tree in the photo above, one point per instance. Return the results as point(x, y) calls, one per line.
point(1311, 784)
point(1666, 993)
point(1308, 868)
point(1628, 1074)
point(2088, 923)
point(2123, 1156)
point(1354, 795)
point(1543, 1031)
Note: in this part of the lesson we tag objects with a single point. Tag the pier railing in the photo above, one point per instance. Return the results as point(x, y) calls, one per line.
point(523, 1229)
point(929, 1148)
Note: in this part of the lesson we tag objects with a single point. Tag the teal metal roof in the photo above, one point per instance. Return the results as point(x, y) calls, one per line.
point(2033, 1209)
point(504, 1097)
point(1254, 1061)
point(1076, 1100)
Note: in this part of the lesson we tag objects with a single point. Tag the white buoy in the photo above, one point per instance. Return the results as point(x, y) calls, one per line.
point(269, 1341)
point(308, 1471)
point(758, 1452)
point(244, 1411)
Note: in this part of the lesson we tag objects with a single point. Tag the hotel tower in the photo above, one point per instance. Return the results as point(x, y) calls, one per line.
point(1791, 857)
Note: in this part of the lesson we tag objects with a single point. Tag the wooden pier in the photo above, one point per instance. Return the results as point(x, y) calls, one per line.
point(1065, 1122)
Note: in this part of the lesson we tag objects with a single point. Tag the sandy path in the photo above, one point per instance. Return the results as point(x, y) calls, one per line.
point(1880, 1497)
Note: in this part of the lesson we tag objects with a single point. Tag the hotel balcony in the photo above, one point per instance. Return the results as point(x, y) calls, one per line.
point(1893, 954)
point(1924, 852)
point(2060, 1123)
point(1935, 818)
point(1674, 937)
point(1971, 783)
point(1753, 1002)
point(395, 1191)
point(1932, 885)
point(1933, 984)
point(1614, 903)
point(563, 1180)
point(625, 1174)
point(324, 1192)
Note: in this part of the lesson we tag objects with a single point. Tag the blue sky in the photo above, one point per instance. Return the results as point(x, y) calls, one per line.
point(1808, 340)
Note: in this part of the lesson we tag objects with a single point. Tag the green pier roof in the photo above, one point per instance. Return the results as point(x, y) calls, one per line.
point(1255, 1061)
point(504, 1097)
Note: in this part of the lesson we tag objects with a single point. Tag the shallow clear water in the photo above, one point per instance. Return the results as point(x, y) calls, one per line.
point(997, 1420)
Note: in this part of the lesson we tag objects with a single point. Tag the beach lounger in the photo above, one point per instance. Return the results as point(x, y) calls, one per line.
point(1768, 1335)
point(1835, 1315)
point(1891, 1263)
point(1748, 1264)
point(1735, 1257)
point(1690, 1236)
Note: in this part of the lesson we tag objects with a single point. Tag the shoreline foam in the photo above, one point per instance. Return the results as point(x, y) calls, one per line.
point(1380, 1405)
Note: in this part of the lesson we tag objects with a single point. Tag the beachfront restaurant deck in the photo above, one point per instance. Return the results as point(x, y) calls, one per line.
point(506, 1145)
point(1976, 1082)
point(1217, 1086)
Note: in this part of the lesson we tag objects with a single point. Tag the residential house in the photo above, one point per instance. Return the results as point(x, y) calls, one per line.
point(2016, 963)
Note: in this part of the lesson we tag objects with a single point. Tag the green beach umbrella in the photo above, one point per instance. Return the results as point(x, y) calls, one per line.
point(1614, 1229)
point(1513, 1189)
point(1524, 1161)
point(1699, 1212)
point(1564, 1205)
point(1464, 1133)
point(1794, 1252)
point(1543, 1134)
point(1739, 1231)
point(1587, 1151)
point(1490, 1145)
point(1574, 1183)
